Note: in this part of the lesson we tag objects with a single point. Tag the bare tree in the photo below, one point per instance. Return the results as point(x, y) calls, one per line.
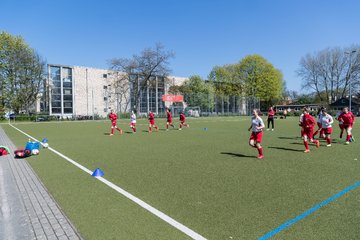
point(329, 72)
point(141, 70)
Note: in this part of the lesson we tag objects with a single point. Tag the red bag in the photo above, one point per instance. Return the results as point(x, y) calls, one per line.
point(3, 151)
point(22, 153)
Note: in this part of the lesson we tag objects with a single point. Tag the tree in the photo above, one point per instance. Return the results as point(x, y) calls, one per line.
point(198, 93)
point(21, 73)
point(121, 88)
point(142, 69)
point(261, 79)
point(328, 72)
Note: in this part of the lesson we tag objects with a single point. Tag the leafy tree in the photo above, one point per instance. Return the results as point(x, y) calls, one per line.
point(21, 73)
point(261, 79)
point(141, 70)
point(198, 93)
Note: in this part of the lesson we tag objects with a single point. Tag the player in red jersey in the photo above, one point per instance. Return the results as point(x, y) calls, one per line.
point(270, 119)
point(326, 121)
point(152, 122)
point(257, 126)
point(308, 124)
point(182, 120)
point(348, 119)
point(113, 118)
point(168, 119)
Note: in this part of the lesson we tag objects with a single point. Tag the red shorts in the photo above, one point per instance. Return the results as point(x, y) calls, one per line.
point(346, 126)
point(113, 124)
point(327, 131)
point(256, 136)
point(309, 132)
point(133, 124)
point(182, 122)
point(152, 122)
point(169, 121)
point(319, 125)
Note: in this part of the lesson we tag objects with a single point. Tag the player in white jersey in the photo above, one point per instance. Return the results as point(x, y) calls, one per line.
point(256, 128)
point(133, 121)
point(326, 124)
point(318, 122)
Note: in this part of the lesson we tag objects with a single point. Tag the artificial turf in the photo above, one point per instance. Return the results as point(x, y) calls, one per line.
point(206, 177)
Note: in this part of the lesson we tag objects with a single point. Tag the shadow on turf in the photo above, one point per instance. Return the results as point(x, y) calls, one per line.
point(237, 155)
point(289, 138)
point(287, 149)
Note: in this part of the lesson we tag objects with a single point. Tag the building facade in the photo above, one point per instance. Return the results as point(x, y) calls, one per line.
point(83, 91)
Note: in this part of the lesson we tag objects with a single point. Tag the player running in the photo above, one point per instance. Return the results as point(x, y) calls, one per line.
point(257, 126)
point(113, 118)
point(182, 121)
point(168, 119)
point(308, 124)
point(348, 118)
point(318, 122)
point(152, 122)
point(326, 123)
point(133, 121)
point(341, 123)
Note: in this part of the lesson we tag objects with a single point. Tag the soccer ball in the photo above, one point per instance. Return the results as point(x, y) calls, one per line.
point(35, 152)
point(45, 145)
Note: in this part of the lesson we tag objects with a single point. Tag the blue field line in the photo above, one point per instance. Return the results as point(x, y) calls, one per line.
point(308, 212)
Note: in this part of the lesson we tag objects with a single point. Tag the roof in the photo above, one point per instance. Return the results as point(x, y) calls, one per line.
point(344, 102)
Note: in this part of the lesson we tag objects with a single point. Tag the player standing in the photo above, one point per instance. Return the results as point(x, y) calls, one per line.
point(270, 119)
point(152, 122)
point(168, 119)
point(113, 118)
point(308, 124)
point(257, 126)
point(348, 118)
point(182, 120)
point(133, 121)
point(326, 123)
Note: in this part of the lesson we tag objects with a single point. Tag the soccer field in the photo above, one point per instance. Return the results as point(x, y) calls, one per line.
point(206, 177)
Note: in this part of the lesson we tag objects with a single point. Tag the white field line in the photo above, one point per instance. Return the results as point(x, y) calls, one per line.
point(136, 200)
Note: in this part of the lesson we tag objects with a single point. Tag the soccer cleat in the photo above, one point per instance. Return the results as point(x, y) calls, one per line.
point(307, 151)
point(188, 125)
point(352, 139)
point(329, 145)
point(347, 142)
point(167, 129)
point(268, 129)
point(111, 134)
point(272, 129)
point(317, 143)
point(261, 157)
point(180, 129)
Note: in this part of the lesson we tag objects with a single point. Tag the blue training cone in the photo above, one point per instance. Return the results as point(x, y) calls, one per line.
point(98, 173)
point(45, 140)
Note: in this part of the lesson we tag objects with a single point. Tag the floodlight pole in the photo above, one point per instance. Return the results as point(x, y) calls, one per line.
point(350, 60)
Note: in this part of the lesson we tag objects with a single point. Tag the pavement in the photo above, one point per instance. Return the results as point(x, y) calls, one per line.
point(27, 210)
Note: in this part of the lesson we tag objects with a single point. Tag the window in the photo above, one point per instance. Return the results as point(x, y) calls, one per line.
point(68, 91)
point(104, 75)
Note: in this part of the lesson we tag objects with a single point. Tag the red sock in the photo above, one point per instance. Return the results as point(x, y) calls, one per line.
point(348, 137)
point(167, 126)
point(306, 145)
point(112, 130)
point(180, 125)
point(316, 132)
point(260, 151)
point(150, 130)
point(328, 140)
point(134, 129)
point(118, 129)
point(156, 128)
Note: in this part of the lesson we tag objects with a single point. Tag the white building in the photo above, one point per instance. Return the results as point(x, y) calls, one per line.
point(85, 91)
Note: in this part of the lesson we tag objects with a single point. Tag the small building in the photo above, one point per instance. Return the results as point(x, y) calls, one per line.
point(344, 102)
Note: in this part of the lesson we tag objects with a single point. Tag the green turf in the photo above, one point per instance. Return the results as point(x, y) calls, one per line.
point(210, 181)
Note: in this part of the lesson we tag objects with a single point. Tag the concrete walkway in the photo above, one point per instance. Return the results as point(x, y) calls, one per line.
point(27, 210)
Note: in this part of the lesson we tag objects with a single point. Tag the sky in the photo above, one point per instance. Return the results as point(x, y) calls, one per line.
point(202, 33)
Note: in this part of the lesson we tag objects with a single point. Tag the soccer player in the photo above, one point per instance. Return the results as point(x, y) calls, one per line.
point(308, 124)
point(257, 126)
point(270, 119)
point(341, 123)
point(152, 122)
point(168, 119)
point(326, 123)
point(113, 118)
point(133, 121)
point(348, 118)
point(182, 121)
point(318, 122)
